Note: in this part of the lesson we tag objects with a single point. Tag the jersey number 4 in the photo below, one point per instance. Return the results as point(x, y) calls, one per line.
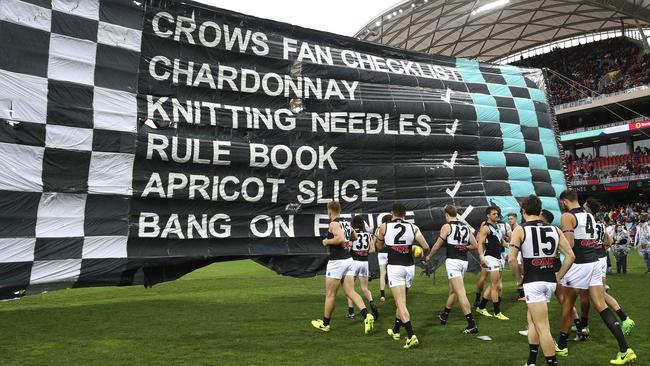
point(539, 236)
point(461, 238)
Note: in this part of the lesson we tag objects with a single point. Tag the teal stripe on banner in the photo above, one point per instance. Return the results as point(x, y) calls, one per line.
point(520, 179)
point(483, 100)
point(537, 95)
point(557, 177)
point(507, 204)
point(487, 114)
point(536, 161)
point(499, 90)
point(469, 71)
point(549, 144)
point(526, 111)
point(513, 139)
point(552, 204)
point(513, 76)
point(491, 158)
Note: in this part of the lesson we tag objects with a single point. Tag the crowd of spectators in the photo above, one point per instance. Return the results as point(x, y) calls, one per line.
point(604, 66)
point(586, 167)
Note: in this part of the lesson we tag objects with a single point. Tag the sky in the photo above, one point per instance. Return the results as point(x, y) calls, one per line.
point(344, 17)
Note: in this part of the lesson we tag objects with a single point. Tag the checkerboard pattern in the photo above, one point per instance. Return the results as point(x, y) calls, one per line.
point(512, 111)
point(68, 105)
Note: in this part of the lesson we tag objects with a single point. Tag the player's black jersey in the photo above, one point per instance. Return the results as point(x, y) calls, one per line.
point(601, 251)
point(341, 251)
point(360, 246)
point(456, 241)
point(492, 245)
point(399, 239)
point(585, 236)
point(538, 250)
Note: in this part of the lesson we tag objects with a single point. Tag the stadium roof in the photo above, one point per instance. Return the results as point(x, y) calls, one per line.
point(492, 29)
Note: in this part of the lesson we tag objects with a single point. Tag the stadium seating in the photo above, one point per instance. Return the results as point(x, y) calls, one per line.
point(604, 67)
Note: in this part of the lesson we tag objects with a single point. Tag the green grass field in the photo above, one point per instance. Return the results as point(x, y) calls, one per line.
point(240, 313)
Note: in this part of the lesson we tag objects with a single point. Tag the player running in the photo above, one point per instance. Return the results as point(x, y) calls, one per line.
point(490, 242)
point(579, 226)
point(538, 243)
point(339, 267)
point(360, 249)
point(602, 242)
point(399, 235)
point(457, 239)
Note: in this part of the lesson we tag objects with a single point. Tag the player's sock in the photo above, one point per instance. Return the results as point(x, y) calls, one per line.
point(615, 327)
point(497, 307)
point(364, 313)
point(533, 349)
point(563, 340)
point(578, 324)
point(350, 310)
point(584, 322)
point(478, 298)
point(483, 303)
point(470, 320)
point(445, 312)
point(551, 360)
point(621, 314)
point(398, 324)
point(382, 292)
point(409, 328)
point(521, 292)
point(326, 321)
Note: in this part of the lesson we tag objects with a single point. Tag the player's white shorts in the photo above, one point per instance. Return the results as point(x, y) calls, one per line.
point(603, 265)
point(494, 264)
point(360, 268)
point(400, 275)
point(339, 268)
point(539, 291)
point(455, 268)
point(583, 276)
point(382, 258)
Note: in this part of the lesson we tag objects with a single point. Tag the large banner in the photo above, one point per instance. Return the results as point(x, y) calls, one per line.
point(139, 141)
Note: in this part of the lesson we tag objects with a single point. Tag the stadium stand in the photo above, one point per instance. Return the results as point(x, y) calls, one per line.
point(604, 67)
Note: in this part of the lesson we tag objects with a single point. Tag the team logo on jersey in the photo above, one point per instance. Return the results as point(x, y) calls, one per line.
point(402, 249)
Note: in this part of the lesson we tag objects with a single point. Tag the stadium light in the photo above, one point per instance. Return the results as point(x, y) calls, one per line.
point(489, 6)
point(378, 23)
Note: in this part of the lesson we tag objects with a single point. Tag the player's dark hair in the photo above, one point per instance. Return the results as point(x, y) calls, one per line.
point(512, 214)
point(451, 210)
point(594, 205)
point(399, 209)
point(385, 219)
point(490, 209)
point(334, 206)
point(570, 195)
point(547, 216)
point(358, 223)
point(532, 205)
